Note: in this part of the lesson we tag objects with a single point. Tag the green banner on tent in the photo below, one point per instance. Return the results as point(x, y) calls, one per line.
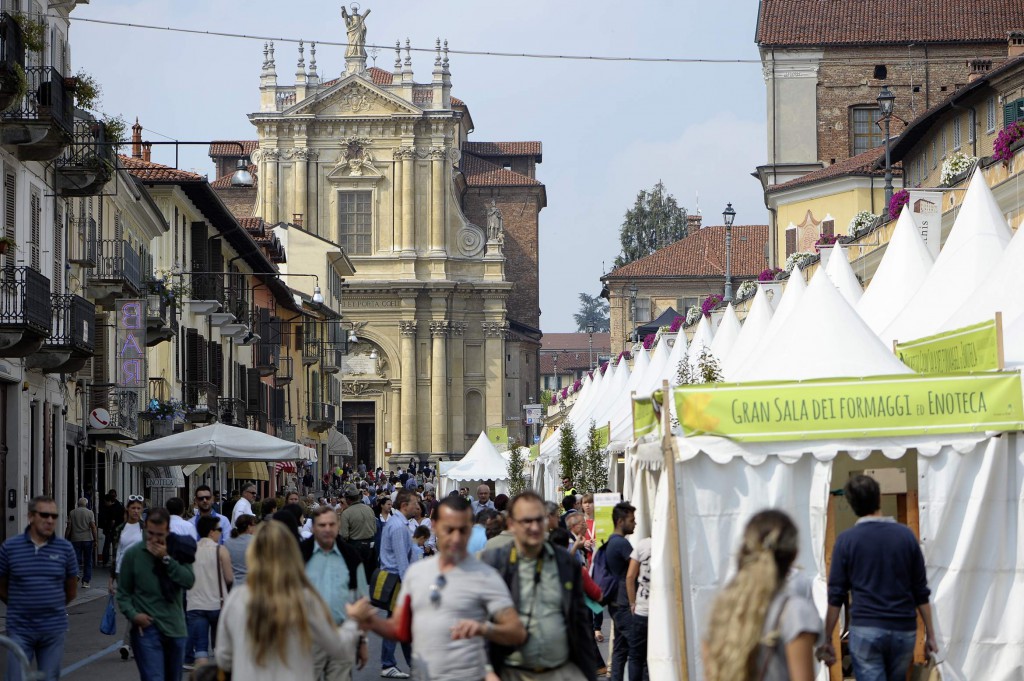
point(604, 503)
point(604, 435)
point(645, 417)
point(534, 452)
point(972, 348)
point(498, 435)
point(882, 406)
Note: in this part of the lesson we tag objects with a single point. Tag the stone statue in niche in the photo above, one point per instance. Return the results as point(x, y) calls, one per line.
point(495, 224)
point(355, 26)
point(357, 158)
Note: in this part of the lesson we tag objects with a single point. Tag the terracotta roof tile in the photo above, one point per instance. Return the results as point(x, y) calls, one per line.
point(224, 181)
point(569, 362)
point(868, 163)
point(576, 342)
point(457, 102)
point(860, 22)
point(481, 173)
point(229, 148)
point(155, 172)
point(503, 148)
point(702, 254)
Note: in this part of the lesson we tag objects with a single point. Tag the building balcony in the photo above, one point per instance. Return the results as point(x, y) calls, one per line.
point(285, 373)
point(161, 324)
point(256, 421)
point(319, 416)
point(38, 127)
point(114, 412)
point(88, 163)
point(267, 358)
point(159, 389)
point(72, 336)
point(285, 430)
point(82, 241)
point(117, 273)
point(199, 399)
point(231, 411)
point(311, 351)
point(331, 357)
point(12, 61)
point(25, 311)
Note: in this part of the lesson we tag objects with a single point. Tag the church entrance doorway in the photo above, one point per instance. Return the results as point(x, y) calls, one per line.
point(360, 425)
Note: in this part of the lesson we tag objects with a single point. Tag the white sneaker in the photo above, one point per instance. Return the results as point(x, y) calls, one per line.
point(393, 673)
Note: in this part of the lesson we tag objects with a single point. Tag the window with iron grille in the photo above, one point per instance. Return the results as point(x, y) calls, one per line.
point(990, 115)
point(355, 222)
point(864, 132)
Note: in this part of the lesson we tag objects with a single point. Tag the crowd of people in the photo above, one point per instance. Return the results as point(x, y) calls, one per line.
point(469, 586)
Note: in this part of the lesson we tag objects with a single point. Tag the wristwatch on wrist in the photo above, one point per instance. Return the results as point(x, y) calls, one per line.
point(488, 628)
point(166, 560)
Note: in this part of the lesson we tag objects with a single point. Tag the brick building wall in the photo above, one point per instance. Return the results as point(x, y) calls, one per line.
point(846, 79)
point(520, 211)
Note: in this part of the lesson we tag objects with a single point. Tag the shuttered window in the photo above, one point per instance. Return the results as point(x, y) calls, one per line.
point(58, 248)
point(253, 391)
point(957, 133)
point(100, 373)
point(1013, 112)
point(990, 114)
point(217, 366)
point(790, 242)
point(35, 229)
point(10, 215)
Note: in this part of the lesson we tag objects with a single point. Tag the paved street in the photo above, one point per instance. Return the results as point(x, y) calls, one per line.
point(90, 655)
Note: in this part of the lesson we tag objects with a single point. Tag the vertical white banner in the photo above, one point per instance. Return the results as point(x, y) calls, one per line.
point(926, 209)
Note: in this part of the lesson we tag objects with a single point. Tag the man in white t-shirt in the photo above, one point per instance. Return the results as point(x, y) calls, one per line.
point(638, 588)
point(180, 526)
point(244, 504)
point(455, 603)
point(126, 535)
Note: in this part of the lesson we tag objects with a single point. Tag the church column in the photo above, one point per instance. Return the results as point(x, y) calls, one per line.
point(437, 159)
point(494, 371)
point(407, 444)
point(457, 395)
point(299, 197)
point(396, 199)
point(408, 199)
point(270, 191)
point(439, 387)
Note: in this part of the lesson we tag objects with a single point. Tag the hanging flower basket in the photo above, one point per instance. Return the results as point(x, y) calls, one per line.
point(896, 203)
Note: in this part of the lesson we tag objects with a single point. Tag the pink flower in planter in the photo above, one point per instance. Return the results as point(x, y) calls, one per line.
point(648, 341)
point(676, 323)
point(896, 203)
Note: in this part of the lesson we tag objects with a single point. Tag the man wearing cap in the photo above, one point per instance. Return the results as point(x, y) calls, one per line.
point(358, 523)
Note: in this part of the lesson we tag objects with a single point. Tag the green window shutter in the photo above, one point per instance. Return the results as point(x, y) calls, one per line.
point(1013, 112)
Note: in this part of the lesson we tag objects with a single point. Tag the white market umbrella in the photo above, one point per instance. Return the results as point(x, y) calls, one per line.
point(212, 444)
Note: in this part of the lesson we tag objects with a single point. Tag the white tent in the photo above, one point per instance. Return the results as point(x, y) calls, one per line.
point(1013, 341)
point(823, 337)
point(703, 336)
point(752, 333)
point(727, 333)
point(654, 371)
point(977, 241)
point(1000, 292)
point(481, 463)
point(791, 296)
point(841, 274)
point(904, 267)
point(214, 443)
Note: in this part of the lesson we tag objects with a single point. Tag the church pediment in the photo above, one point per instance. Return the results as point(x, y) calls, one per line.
point(354, 96)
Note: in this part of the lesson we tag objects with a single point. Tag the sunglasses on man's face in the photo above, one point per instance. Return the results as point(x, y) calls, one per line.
point(48, 516)
point(203, 498)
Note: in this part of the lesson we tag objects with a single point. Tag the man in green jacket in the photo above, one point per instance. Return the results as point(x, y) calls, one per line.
point(150, 584)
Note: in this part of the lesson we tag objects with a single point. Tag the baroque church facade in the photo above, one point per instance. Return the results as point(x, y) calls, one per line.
point(441, 231)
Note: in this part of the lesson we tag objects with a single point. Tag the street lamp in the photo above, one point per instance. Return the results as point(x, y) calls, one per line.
point(591, 328)
point(632, 302)
point(728, 216)
point(558, 383)
point(886, 100)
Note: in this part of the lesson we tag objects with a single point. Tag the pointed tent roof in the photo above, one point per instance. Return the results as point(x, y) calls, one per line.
point(841, 274)
point(604, 411)
point(755, 326)
point(728, 332)
point(481, 462)
point(823, 338)
point(978, 239)
point(904, 267)
point(1001, 290)
point(703, 336)
point(791, 296)
point(679, 353)
point(622, 414)
point(1013, 341)
point(654, 371)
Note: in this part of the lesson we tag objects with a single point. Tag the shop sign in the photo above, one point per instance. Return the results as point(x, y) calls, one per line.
point(882, 406)
point(978, 347)
point(130, 353)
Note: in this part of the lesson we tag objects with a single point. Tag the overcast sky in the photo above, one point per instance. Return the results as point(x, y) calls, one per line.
point(609, 128)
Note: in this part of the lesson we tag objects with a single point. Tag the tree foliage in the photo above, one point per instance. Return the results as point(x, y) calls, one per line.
point(516, 471)
point(595, 469)
point(707, 370)
point(569, 458)
point(593, 310)
point(654, 221)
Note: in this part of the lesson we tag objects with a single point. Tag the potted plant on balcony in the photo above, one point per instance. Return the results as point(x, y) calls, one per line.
point(85, 89)
point(956, 167)
point(33, 32)
point(13, 85)
point(7, 244)
point(1009, 140)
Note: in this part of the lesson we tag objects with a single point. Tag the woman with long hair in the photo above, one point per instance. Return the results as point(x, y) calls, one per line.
point(270, 624)
point(760, 630)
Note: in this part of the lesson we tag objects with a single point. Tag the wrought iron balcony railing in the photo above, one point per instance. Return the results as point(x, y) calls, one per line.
point(159, 389)
point(122, 406)
point(285, 373)
point(25, 300)
point(12, 59)
point(74, 324)
point(118, 261)
point(47, 100)
point(267, 358)
point(82, 241)
point(88, 162)
point(199, 398)
point(331, 357)
point(231, 411)
point(311, 351)
point(319, 416)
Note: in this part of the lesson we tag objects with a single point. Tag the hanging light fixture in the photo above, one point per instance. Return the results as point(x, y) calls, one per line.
point(318, 297)
point(241, 177)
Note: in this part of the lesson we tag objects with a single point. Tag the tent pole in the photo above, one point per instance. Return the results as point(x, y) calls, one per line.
point(669, 454)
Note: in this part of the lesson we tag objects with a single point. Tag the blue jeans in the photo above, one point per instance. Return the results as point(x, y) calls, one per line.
point(638, 649)
point(158, 657)
point(83, 554)
point(387, 654)
point(46, 649)
point(202, 626)
point(622, 618)
point(881, 654)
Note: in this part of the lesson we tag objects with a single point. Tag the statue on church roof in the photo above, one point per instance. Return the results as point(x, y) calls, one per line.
point(495, 224)
point(355, 25)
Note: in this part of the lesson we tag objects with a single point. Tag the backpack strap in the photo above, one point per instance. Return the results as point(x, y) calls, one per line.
point(772, 639)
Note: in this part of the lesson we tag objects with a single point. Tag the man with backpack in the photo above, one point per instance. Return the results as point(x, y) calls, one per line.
point(611, 564)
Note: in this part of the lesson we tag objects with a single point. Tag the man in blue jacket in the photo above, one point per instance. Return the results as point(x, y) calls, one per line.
point(879, 562)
